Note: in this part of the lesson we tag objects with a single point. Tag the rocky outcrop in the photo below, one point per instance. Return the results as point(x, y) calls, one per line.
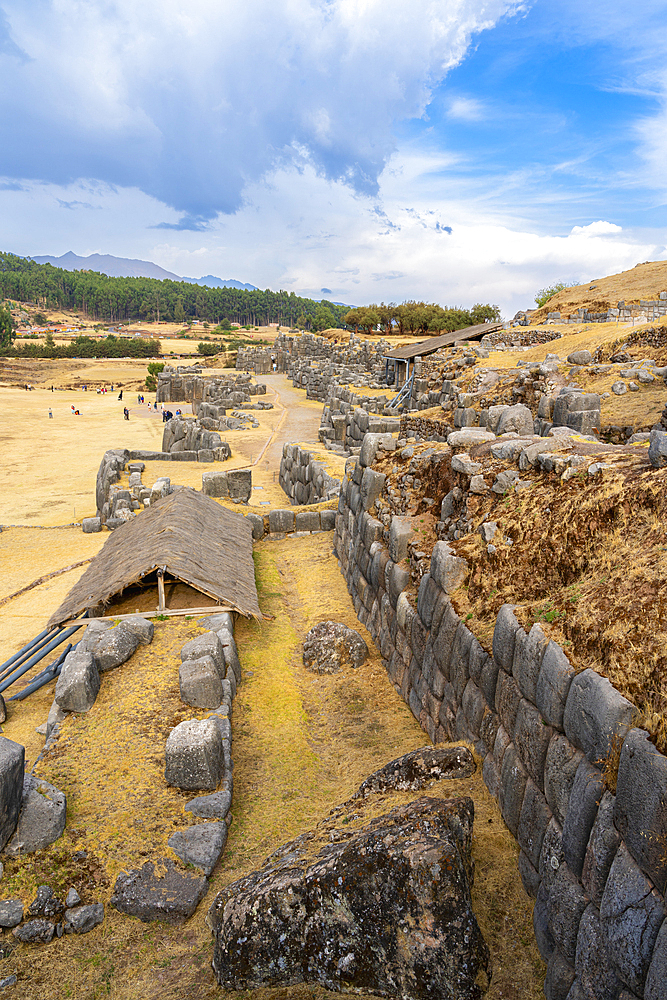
point(385, 909)
point(330, 646)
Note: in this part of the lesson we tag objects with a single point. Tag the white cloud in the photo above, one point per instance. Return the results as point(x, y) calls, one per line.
point(191, 102)
point(599, 228)
point(466, 109)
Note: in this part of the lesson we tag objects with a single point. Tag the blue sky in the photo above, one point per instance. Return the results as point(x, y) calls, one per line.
point(452, 150)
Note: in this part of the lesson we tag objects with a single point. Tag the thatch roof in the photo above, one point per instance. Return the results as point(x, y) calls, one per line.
point(186, 534)
point(425, 347)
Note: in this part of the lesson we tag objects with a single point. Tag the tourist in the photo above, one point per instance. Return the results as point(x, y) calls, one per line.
point(50, 414)
point(120, 394)
point(126, 413)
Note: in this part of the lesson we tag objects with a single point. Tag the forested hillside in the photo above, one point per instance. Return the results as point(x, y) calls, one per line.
point(98, 296)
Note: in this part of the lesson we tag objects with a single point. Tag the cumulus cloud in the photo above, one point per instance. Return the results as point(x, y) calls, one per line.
point(190, 103)
point(598, 228)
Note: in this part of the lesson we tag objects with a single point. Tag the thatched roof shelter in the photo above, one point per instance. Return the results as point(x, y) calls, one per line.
point(186, 535)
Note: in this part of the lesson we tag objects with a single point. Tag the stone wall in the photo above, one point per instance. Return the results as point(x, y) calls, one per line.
point(199, 439)
point(191, 386)
point(592, 851)
point(644, 311)
point(347, 416)
point(278, 523)
point(305, 479)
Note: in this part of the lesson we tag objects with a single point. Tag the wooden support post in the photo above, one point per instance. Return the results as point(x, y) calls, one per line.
point(160, 591)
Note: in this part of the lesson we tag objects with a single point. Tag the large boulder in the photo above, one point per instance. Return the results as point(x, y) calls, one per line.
point(158, 892)
point(329, 646)
point(194, 755)
point(114, 646)
point(516, 418)
point(12, 763)
point(79, 682)
point(384, 909)
point(419, 768)
point(42, 818)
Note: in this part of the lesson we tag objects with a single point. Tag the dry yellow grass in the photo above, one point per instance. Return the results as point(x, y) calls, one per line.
point(302, 743)
point(645, 281)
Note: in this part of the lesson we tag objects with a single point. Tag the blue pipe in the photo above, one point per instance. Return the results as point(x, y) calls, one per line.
point(28, 646)
point(61, 637)
point(48, 674)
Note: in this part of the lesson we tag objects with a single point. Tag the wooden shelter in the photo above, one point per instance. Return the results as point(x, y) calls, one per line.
point(185, 542)
point(400, 358)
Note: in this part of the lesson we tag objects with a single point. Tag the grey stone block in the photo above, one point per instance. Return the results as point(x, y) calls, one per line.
point(560, 768)
point(213, 806)
point(91, 525)
point(370, 489)
point(442, 647)
point(508, 698)
point(488, 730)
point(55, 717)
point(200, 845)
point(11, 912)
point(565, 908)
point(205, 455)
point(200, 683)
point(194, 757)
point(512, 786)
point(543, 936)
point(559, 977)
point(79, 682)
point(12, 763)
point(141, 627)
point(42, 818)
point(256, 522)
point(594, 714)
point(551, 854)
point(656, 978)
point(419, 637)
point(230, 654)
point(490, 775)
point(530, 877)
point(458, 661)
point(327, 520)
point(657, 449)
point(398, 581)
point(504, 635)
point(114, 646)
point(528, 652)
point(215, 484)
point(592, 967)
point(553, 685)
point(515, 418)
point(427, 599)
point(307, 520)
point(370, 446)
point(240, 485)
point(488, 678)
point(82, 919)
point(534, 819)
point(207, 644)
point(631, 914)
point(531, 738)
point(473, 705)
point(447, 569)
point(602, 846)
point(500, 745)
point(585, 797)
point(281, 521)
point(641, 805)
point(400, 533)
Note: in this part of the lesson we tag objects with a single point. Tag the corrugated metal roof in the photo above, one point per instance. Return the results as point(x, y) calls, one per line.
point(425, 347)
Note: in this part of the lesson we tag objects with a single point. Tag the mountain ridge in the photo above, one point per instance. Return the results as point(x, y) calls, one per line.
point(129, 267)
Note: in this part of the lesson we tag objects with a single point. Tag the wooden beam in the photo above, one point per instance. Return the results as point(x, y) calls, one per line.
point(160, 591)
point(210, 610)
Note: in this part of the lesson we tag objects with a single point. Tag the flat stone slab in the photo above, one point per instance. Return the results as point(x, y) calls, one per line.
point(194, 757)
point(383, 909)
point(168, 894)
point(82, 919)
point(418, 769)
point(200, 845)
point(214, 806)
point(42, 818)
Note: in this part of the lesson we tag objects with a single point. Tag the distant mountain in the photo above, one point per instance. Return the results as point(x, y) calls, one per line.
point(126, 267)
point(213, 282)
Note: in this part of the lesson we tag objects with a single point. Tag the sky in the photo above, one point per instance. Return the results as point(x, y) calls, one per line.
point(456, 151)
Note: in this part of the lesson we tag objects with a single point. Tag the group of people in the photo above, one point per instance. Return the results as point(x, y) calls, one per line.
point(167, 415)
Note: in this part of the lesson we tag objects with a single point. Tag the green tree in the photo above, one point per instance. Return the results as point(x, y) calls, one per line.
point(179, 311)
point(49, 342)
point(7, 328)
point(39, 319)
point(481, 313)
point(208, 350)
point(544, 294)
point(154, 368)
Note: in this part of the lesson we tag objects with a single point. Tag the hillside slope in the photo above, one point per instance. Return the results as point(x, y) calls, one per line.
point(644, 281)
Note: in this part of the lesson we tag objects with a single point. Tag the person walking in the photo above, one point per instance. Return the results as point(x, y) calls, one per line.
point(126, 413)
point(50, 414)
point(120, 394)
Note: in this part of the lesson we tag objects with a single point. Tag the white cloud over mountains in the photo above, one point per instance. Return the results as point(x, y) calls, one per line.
point(190, 103)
